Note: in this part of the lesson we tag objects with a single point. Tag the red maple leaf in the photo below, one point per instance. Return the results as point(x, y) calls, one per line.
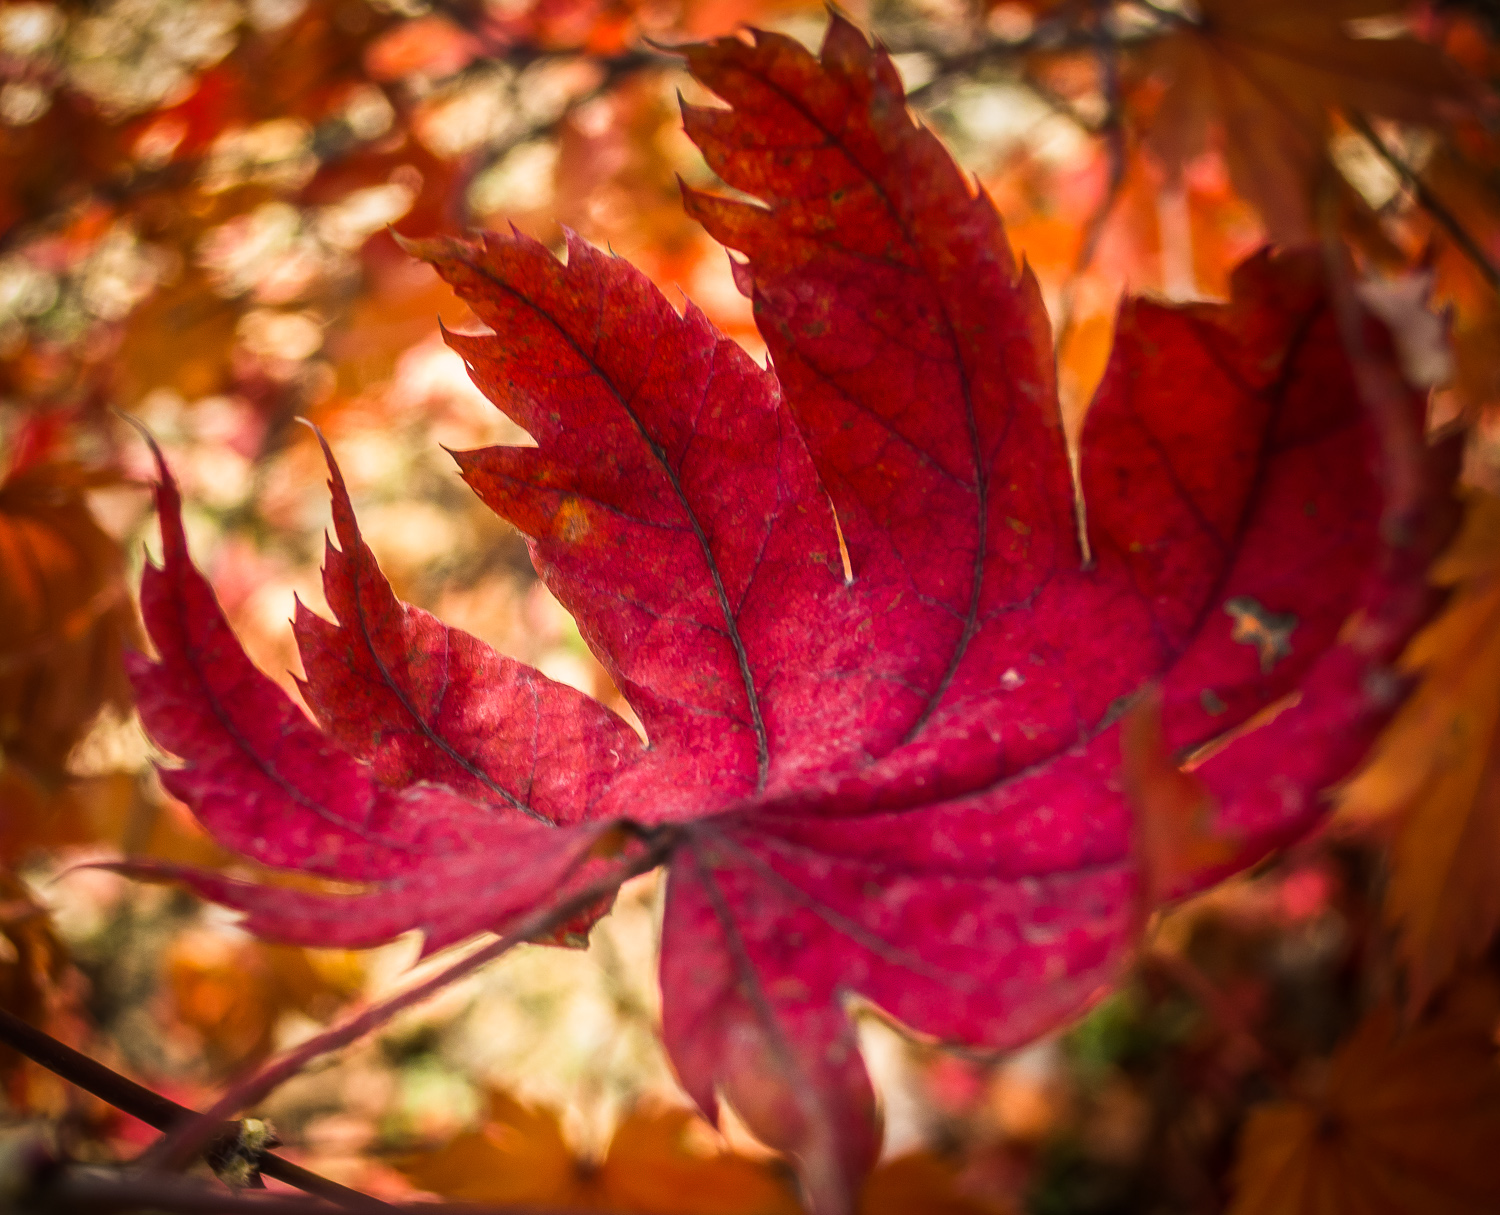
point(878, 673)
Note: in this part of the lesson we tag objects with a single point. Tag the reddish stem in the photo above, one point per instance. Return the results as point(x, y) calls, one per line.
point(184, 1142)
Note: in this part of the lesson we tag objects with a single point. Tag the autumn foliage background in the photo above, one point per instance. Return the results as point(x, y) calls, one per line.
point(195, 209)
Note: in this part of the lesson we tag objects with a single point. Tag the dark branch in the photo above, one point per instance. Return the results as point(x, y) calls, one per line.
point(160, 1112)
point(1059, 32)
point(77, 1191)
point(1430, 202)
point(1059, 104)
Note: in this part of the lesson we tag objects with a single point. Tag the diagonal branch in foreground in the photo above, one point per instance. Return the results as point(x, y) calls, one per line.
point(160, 1112)
point(92, 1191)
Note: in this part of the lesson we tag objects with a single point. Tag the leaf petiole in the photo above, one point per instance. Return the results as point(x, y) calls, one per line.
point(180, 1145)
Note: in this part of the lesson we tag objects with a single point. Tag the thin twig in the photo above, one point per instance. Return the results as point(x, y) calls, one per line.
point(330, 140)
point(76, 1191)
point(616, 70)
point(1467, 243)
point(1057, 33)
point(1059, 104)
point(157, 1111)
point(184, 1142)
point(334, 143)
point(1165, 15)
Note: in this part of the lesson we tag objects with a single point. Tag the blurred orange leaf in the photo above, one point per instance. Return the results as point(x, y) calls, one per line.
point(1260, 78)
point(661, 1162)
point(66, 616)
point(182, 339)
point(1401, 1122)
point(1470, 192)
point(920, 1184)
point(232, 991)
point(35, 978)
point(118, 810)
point(432, 46)
point(1435, 776)
point(42, 815)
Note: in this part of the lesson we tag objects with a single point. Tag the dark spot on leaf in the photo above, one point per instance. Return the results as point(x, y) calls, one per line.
point(1269, 632)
